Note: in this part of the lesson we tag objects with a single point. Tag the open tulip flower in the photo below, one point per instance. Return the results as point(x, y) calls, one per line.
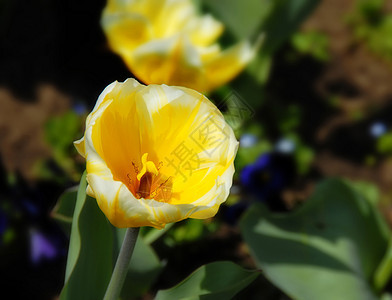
point(157, 154)
point(166, 41)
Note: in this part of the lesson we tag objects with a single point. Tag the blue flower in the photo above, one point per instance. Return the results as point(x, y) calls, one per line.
point(267, 177)
point(264, 181)
point(233, 213)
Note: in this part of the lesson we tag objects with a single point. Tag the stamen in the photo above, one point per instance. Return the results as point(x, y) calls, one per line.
point(135, 168)
point(159, 188)
point(130, 181)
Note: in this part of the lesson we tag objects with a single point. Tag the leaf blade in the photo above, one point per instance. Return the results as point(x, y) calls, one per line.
point(217, 280)
point(89, 264)
point(327, 249)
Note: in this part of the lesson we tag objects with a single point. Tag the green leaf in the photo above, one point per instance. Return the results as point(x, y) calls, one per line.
point(144, 267)
point(283, 20)
point(386, 296)
point(93, 251)
point(330, 248)
point(369, 190)
point(89, 264)
point(150, 234)
point(74, 244)
point(242, 18)
point(64, 209)
point(215, 281)
point(384, 270)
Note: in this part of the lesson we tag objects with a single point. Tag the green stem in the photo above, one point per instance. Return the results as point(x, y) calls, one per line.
point(120, 270)
point(384, 271)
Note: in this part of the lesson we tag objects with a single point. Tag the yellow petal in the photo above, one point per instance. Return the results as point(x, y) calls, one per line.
point(126, 31)
point(228, 64)
point(205, 30)
point(79, 145)
point(172, 16)
point(173, 61)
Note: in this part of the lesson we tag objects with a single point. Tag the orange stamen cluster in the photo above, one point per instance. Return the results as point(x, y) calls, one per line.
point(151, 184)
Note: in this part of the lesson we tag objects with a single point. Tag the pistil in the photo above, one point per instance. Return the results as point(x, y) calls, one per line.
point(144, 189)
point(146, 175)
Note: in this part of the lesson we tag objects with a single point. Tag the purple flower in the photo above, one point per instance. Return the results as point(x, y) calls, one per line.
point(80, 108)
point(42, 247)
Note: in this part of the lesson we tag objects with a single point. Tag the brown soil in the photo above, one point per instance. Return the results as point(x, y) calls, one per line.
point(362, 83)
point(360, 80)
point(22, 142)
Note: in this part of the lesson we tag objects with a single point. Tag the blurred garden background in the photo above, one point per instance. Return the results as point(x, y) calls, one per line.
point(310, 208)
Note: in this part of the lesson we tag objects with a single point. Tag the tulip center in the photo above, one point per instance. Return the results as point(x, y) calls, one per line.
point(151, 184)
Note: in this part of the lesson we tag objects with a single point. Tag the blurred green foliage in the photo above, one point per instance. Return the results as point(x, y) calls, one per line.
point(60, 130)
point(373, 25)
point(303, 154)
point(60, 133)
point(189, 230)
point(311, 43)
point(334, 245)
point(384, 144)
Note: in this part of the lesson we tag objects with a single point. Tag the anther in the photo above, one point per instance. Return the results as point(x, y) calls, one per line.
point(130, 181)
point(135, 168)
point(159, 188)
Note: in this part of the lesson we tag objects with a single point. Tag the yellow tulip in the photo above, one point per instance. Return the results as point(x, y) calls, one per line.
point(167, 41)
point(157, 154)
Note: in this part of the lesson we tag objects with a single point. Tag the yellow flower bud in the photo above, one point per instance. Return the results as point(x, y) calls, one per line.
point(157, 154)
point(167, 41)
